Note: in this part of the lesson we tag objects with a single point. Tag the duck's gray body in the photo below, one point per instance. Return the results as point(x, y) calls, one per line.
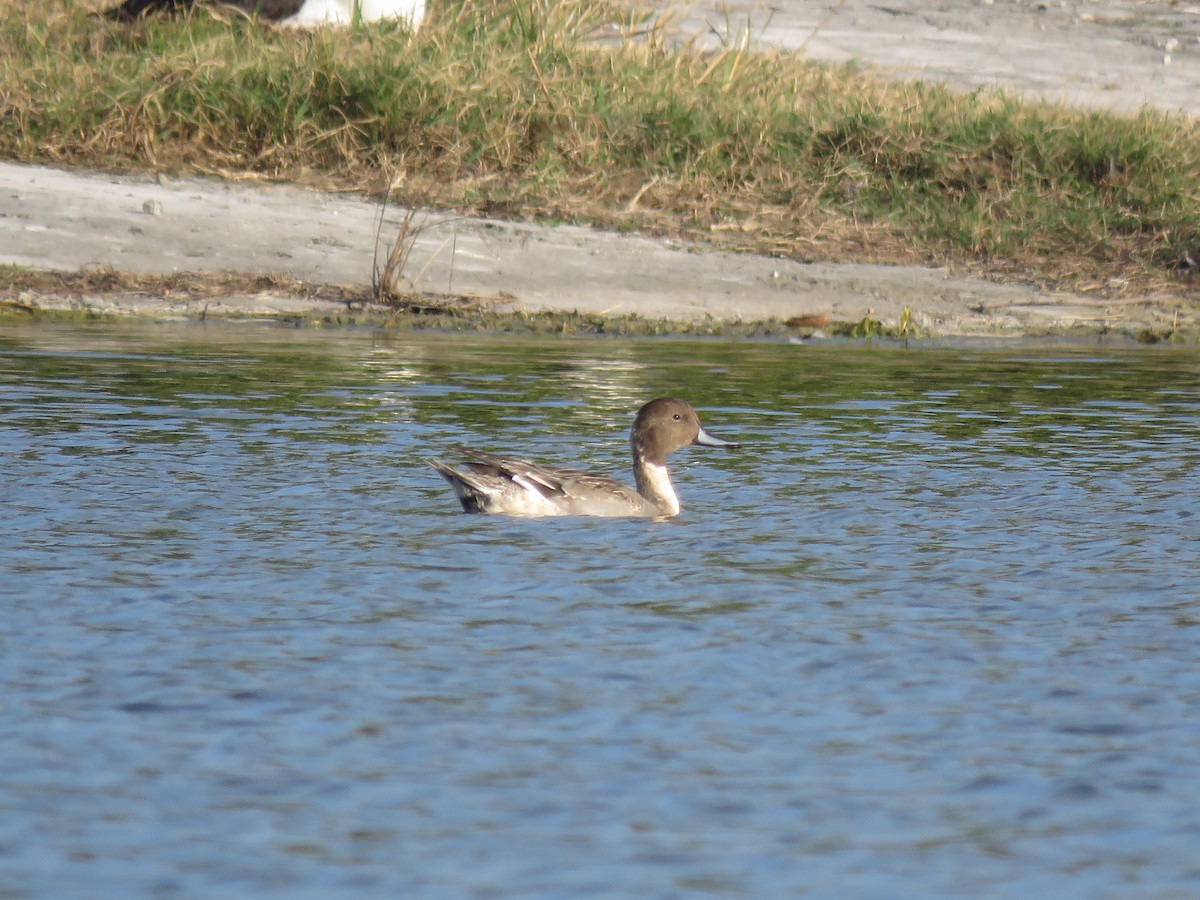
point(517, 487)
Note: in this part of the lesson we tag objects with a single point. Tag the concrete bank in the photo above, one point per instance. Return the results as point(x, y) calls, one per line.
point(67, 221)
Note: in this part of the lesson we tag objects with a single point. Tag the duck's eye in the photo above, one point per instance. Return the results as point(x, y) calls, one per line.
point(678, 417)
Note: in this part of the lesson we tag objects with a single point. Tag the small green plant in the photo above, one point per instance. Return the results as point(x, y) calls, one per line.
point(866, 328)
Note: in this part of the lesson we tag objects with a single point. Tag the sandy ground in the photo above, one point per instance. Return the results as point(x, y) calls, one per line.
point(1103, 54)
point(1109, 53)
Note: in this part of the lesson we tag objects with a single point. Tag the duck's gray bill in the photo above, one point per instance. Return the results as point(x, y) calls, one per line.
point(709, 441)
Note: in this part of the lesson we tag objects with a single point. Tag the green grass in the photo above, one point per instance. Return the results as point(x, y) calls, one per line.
point(507, 107)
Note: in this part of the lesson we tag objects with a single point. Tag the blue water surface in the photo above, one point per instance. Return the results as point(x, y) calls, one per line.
point(931, 631)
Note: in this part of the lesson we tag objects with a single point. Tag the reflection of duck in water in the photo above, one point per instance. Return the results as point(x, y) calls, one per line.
point(300, 13)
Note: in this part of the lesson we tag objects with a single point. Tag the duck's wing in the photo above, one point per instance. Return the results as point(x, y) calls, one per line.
point(547, 481)
point(492, 483)
point(271, 10)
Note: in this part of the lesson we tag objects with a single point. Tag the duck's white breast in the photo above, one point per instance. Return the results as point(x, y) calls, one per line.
point(657, 483)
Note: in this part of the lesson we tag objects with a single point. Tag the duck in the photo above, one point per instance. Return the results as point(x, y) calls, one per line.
point(503, 485)
point(295, 13)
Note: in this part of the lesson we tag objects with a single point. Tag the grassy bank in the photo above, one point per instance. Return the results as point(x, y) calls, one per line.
point(510, 108)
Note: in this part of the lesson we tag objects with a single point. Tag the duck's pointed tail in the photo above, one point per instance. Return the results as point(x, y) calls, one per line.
point(468, 488)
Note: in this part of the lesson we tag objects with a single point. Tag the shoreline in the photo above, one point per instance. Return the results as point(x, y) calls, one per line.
point(91, 244)
point(280, 251)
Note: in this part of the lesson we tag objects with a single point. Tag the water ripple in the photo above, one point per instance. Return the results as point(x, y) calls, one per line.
point(930, 632)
